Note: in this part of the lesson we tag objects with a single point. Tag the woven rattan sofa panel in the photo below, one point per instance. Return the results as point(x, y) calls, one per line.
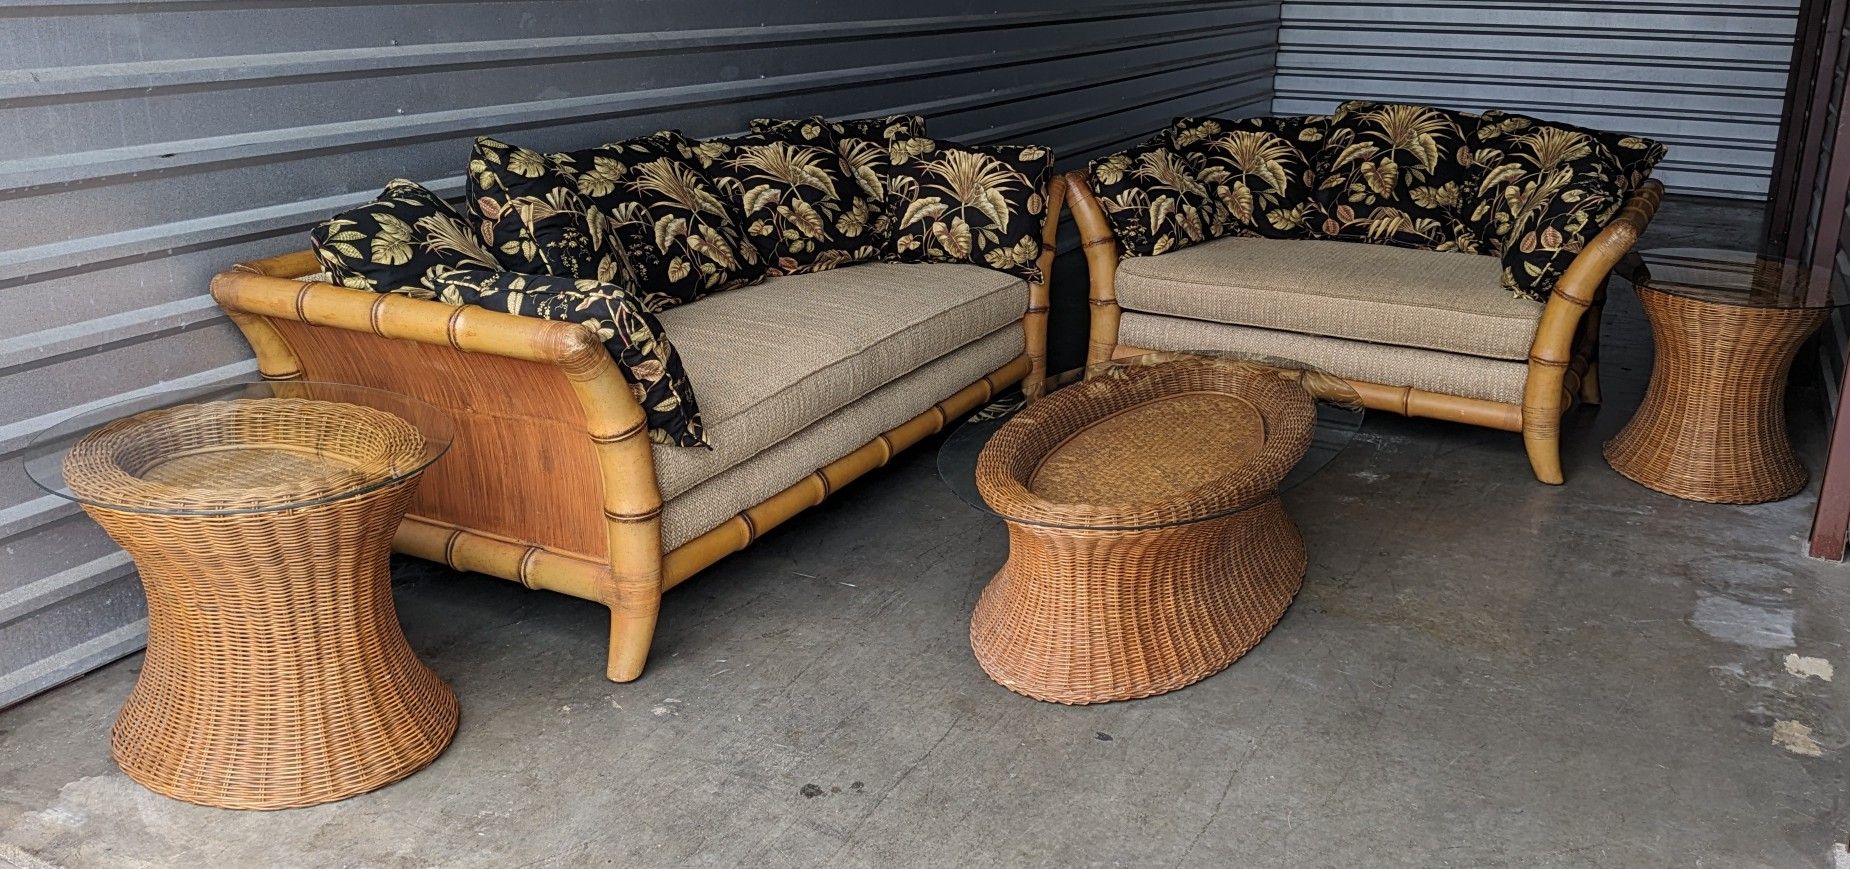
point(770, 359)
point(1366, 292)
point(1431, 370)
point(752, 481)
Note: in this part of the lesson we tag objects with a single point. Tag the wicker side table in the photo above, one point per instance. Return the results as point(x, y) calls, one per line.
point(1713, 423)
point(261, 519)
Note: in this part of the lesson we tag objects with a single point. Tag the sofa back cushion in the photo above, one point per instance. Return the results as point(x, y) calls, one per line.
point(982, 205)
point(1547, 189)
point(631, 333)
point(885, 128)
point(1396, 174)
point(397, 241)
point(1260, 172)
point(1154, 199)
point(535, 220)
point(799, 204)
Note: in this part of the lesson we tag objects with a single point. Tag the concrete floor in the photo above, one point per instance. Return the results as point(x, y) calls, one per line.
point(1480, 671)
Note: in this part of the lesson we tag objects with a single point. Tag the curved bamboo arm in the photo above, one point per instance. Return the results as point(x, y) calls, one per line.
point(1546, 395)
point(1034, 322)
point(1101, 247)
point(253, 293)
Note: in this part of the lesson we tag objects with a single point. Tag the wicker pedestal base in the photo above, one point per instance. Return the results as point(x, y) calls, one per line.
point(1093, 616)
point(1713, 423)
point(276, 674)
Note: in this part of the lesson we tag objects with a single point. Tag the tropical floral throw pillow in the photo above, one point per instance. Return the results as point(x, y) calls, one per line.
point(1259, 171)
point(1548, 189)
point(616, 314)
point(978, 204)
point(798, 202)
point(535, 219)
point(880, 129)
point(676, 228)
point(395, 242)
point(1396, 174)
point(1153, 198)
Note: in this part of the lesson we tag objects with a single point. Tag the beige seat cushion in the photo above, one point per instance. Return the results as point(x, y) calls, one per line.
point(750, 482)
point(1448, 373)
point(1368, 292)
point(768, 360)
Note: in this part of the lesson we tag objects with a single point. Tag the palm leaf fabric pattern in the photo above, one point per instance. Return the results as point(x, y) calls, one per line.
point(798, 202)
point(617, 316)
point(534, 218)
point(1259, 171)
point(1546, 189)
point(1154, 199)
point(1396, 174)
point(886, 128)
point(397, 241)
point(968, 204)
point(670, 222)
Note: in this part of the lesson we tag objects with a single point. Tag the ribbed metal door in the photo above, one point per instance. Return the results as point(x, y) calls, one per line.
point(144, 146)
point(1707, 77)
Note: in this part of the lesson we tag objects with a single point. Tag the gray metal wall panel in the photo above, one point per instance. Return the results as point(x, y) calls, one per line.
point(148, 145)
point(1705, 76)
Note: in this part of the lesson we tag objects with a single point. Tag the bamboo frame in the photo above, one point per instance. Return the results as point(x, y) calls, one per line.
point(1563, 357)
point(556, 390)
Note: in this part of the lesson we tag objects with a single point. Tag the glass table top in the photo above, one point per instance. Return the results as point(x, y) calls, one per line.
point(1339, 415)
point(1739, 278)
point(238, 448)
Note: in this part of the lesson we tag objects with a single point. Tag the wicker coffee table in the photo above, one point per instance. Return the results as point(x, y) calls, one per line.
point(261, 518)
point(1713, 423)
point(1148, 548)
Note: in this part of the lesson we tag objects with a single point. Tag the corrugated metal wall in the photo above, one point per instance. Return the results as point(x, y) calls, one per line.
point(1705, 76)
point(144, 146)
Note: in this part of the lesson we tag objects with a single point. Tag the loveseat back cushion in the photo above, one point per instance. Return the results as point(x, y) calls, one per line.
point(535, 220)
point(631, 333)
point(1396, 174)
point(397, 241)
point(1153, 198)
point(1261, 172)
point(982, 205)
point(1547, 189)
point(884, 128)
point(800, 206)
point(673, 225)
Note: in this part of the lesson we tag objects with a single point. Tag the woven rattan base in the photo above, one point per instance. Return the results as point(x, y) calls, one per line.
point(1093, 616)
point(1713, 423)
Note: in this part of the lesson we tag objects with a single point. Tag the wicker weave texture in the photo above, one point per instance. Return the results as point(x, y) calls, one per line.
point(276, 673)
point(1166, 585)
point(1713, 423)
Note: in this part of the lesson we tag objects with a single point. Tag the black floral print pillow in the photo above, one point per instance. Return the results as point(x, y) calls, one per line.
point(1396, 174)
point(1259, 171)
point(880, 129)
point(1547, 190)
point(672, 224)
point(968, 204)
point(634, 337)
point(534, 218)
point(798, 202)
point(396, 241)
point(1153, 198)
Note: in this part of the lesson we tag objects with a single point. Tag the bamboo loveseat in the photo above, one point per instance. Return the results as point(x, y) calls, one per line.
point(551, 481)
point(1421, 332)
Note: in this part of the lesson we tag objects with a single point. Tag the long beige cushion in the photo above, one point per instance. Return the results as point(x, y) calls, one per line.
point(750, 482)
point(768, 360)
point(1342, 289)
point(1449, 373)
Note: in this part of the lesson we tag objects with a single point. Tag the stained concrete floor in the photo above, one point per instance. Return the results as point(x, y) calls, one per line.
point(1480, 671)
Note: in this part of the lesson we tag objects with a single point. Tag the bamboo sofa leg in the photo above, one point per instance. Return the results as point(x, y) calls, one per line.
point(632, 631)
point(1543, 444)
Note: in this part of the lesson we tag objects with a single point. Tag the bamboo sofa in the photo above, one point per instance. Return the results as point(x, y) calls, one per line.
point(551, 481)
point(1421, 333)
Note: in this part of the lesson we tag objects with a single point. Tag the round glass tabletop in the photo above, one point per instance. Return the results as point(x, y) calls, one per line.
point(238, 448)
point(1339, 415)
point(1739, 279)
